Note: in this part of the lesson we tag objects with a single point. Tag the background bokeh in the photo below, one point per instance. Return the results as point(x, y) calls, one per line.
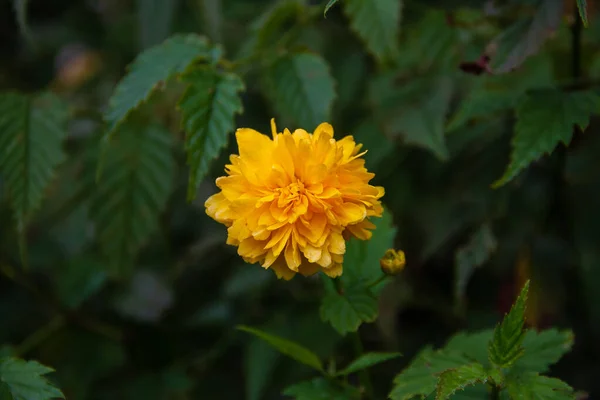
point(438, 136)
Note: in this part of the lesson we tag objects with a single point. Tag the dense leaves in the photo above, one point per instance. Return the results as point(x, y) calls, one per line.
point(133, 292)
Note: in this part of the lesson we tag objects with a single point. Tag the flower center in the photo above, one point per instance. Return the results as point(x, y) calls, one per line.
point(293, 193)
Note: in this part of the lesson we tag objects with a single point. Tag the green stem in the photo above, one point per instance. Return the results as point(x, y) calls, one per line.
point(39, 336)
point(363, 375)
point(378, 281)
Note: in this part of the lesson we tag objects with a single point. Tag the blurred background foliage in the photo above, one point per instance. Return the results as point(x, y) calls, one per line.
point(409, 79)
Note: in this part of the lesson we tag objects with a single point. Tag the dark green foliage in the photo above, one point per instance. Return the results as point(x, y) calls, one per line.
point(480, 120)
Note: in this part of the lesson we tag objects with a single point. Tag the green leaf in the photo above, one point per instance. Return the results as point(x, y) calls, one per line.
point(544, 349)
point(545, 118)
point(505, 347)
point(321, 389)
point(31, 139)
point(289, 348)
point(25, 380)
point(430, 45)
point(582, 7)
point(377, 23)
point(471, 256)
point(416, 112)
point(133, 192)
point(526, 36)
point(151, 70)
point(361, 261)
point(302, 89)
point(531, 386)
point(155, 18)
point(347, 311)
point(208, 109)
point(367, 360)
point(269, 28)
point(473, 345)
point(420, 377)
point(459, 378)
point(330, 4)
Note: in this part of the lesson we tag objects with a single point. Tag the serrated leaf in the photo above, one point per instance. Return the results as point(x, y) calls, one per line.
point(471, 256)
point(31, 137)
point(582, 7)
point(321, 389)
point(473, 345)
point(544, 349)
point(25, 380)
point(287, 347)
point(477, 391)
point(545, 118)
point(377, 23)
point(133, 191)
point(367, 360)
point(421, 376)
point(302, 89)
point(459, 378)
point(208, 109)
point(347, 311)
point(151, 69)
point(506, 345)
point(526, 36)
point(330, 4)
point(531, 386)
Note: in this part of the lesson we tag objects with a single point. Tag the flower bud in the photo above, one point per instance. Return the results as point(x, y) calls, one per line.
point(392, 262)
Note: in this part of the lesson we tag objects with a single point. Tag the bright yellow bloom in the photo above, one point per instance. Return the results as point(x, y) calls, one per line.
point(392, 262)
point(291, 203)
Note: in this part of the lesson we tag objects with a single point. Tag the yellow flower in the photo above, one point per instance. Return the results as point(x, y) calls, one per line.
point(291, 203)
point(392, 262)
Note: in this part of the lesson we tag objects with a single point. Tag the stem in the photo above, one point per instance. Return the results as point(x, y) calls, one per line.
point(40, 335)
point(495, 395)
point(363, 375)
point(378, 281)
